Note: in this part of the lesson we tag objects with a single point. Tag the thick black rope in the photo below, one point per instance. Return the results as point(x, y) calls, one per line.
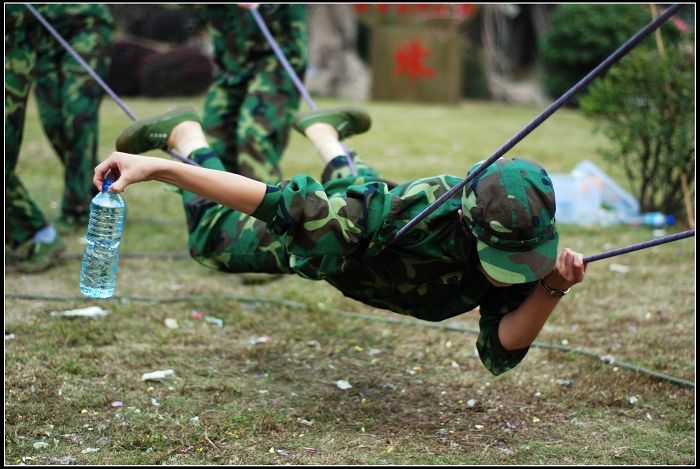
point(637, 247)
point(96, 77)
point(585, 81)
point(354, 315)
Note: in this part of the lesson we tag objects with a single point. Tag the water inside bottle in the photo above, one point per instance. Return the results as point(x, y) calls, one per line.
point(98, 275)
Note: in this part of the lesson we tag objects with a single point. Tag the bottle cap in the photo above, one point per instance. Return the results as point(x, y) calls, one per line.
point(670, 220)
point(108, 182)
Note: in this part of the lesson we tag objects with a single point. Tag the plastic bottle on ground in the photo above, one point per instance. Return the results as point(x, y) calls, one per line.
point(651, 219)
point(578, 199)
point(612, 194)
point(98, 273)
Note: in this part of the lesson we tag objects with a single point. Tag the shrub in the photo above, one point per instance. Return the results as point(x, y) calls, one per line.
point(181, 72)
point(581, 36)
point(645, 106)
point(126, 61)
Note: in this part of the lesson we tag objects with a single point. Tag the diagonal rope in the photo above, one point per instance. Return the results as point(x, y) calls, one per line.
point(637, 247)
point(293, 76)
point(537, 121)
point(95, 76)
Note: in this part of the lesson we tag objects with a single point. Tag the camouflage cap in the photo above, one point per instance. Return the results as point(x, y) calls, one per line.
point(510, 210)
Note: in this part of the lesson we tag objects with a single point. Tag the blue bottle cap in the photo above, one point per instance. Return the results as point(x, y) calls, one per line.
point(670, 220)
point(108, 182)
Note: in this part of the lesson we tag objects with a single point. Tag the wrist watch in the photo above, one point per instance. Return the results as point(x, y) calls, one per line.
point(553, 291)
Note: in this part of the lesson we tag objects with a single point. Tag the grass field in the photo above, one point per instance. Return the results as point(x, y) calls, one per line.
point(419, 395)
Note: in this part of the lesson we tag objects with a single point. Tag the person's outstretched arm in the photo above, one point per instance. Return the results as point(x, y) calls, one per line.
point(519, 328)
point(228, 189)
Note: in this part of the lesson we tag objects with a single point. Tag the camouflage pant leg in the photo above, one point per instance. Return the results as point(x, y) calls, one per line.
point(69, 102)
point(228, 240)
point(255, 122)
point(22, 217)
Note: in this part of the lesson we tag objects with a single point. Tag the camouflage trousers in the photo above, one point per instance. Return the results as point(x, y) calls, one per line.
point(68, 99)
point(248, 119)
point(231, 241)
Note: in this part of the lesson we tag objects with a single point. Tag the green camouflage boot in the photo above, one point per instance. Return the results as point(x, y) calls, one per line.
point(42, 256)
point(152, 133)
point(346, 121)
point(15, 256)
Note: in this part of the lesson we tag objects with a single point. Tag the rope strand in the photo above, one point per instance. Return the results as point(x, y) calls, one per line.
point(637, 247)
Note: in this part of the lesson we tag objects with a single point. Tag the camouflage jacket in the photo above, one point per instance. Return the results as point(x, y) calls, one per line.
point(340, 232)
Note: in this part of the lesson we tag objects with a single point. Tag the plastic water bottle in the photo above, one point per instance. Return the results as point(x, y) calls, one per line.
point(98, 274)
point(651, 219)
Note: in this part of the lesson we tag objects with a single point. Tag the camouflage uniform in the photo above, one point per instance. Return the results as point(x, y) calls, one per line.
point(68, 100)
point(249, 108)
point(339, 229)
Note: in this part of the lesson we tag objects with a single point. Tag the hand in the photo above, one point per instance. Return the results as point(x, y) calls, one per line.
point(249, 6)
point(126, 169)
point(568, 270)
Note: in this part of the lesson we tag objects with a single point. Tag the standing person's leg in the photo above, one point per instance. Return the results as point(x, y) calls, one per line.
point(265, 121)
point(27, 233)
point(69, 101)
point(220, 121)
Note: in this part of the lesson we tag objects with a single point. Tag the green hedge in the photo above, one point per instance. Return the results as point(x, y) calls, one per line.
point(581, 36)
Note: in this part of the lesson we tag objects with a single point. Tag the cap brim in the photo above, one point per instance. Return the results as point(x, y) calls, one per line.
point(519, 267)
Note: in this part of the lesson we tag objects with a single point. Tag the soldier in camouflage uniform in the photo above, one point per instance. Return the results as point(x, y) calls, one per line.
point(249, 108)
point(494, 247)
point(68, 100)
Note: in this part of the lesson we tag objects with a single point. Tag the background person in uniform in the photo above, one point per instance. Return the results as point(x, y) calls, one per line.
point(249, 108)
point(68, 99)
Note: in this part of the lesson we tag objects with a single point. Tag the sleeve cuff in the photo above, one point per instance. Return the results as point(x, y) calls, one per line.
point(497, 359)
point(506, 355)
point(268, 207)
